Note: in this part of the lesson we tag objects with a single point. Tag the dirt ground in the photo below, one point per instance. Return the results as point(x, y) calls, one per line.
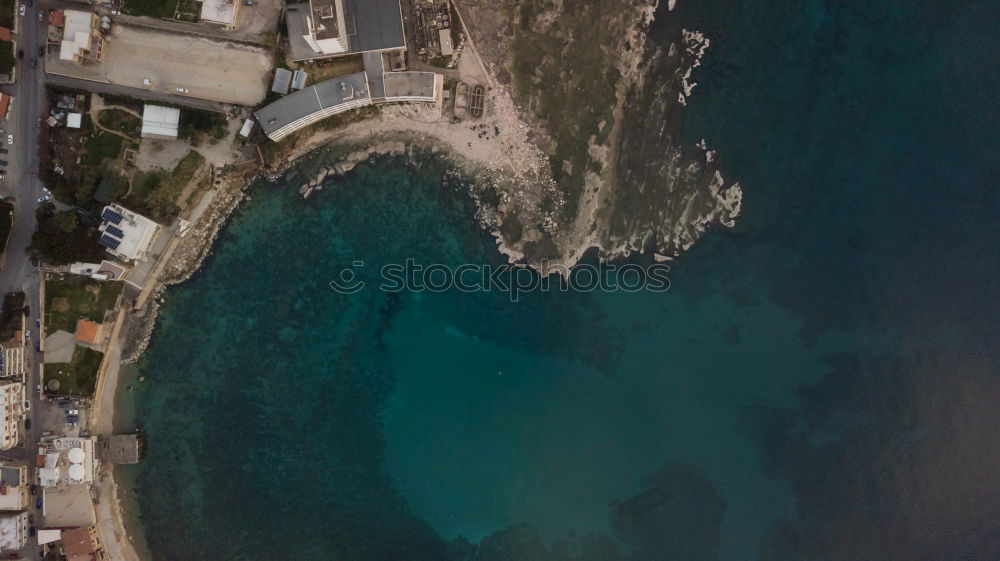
point(210, 69)
point(160, 154)
point(258, 20)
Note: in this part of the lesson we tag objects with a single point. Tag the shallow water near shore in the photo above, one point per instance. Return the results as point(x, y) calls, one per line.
point(819, 383)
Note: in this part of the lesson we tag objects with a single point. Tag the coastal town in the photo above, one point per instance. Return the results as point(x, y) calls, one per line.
point(129, 130)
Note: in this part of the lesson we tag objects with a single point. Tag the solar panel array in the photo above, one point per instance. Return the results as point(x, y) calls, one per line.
point(109, 242)
point(115, 231)
point(111, 216)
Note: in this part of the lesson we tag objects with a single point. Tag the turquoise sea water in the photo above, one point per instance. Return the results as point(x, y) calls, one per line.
point(819, 383)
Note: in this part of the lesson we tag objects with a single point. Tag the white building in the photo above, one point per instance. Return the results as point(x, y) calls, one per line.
point(13, 530)
point(160, 122)
point(68, 461)
point(11, 412)
point(81, 40)
point(222, 12)
point(125, 234)
point(12, 359)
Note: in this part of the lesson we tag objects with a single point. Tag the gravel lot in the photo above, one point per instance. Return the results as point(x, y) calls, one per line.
point(209, 69)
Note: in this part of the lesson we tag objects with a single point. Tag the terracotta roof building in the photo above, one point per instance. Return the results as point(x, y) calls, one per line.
point(4, 105)
point(82, 544)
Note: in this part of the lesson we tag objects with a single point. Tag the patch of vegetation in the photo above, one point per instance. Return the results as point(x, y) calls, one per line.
point(440, 61)
point(151, 8)
point(7, 13)
point(331, 68)
point(99, 146)
point(12, 314)
point(78, 377)
point(7, 59)
point(188, 10)
point(156, 193)
point(118, 120)
point(6, 223)
point(195, 123)
point(62, 239)
point(74, 297)
point(133, 103)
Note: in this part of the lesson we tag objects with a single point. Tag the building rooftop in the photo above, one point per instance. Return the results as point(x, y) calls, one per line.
point(119, 449)
point(125, 234)
point(282, 80)
point(159, 121)
point(342, 90)
point(326, 20)
point(378, 25)
point(369, 25)
point(220, 11)
point(87, 331)
point(78, 544)
point(409, 85)
point(67, 506)
point(4, 105)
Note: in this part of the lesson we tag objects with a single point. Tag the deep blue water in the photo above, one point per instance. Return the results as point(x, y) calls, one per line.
point(819, 383)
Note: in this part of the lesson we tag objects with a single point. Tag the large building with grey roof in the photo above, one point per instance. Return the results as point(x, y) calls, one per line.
point(304, 107)
point(330, 28)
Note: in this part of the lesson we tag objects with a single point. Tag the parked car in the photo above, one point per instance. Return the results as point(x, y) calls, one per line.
point(182, 90)
point(27, 405)
point(3, 150)
point(73, 412)
point(27, 334)
point(21, 10)
point(10, 139)
point(34, 490)
point(3, 163)
point(41, 51)
point(248, 2)
point(38, 503)
point(41, 16)
point(31, 531)
point(38, 388)
point(27, 424)
point(43, 198)
point(34, 63)
point(20, 53)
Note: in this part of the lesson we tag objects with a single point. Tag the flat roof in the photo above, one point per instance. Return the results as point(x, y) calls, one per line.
point(325, 20)
point(219, 11)
point(312, 99)
point(282, 79)
point(374, 69)
point(160, 121)
point(409, 84)
point(67, 506)
point(378, 25)
point(299, 79)
point(372, 25)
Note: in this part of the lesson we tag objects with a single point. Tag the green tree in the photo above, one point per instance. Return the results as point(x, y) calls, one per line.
point(68, 221)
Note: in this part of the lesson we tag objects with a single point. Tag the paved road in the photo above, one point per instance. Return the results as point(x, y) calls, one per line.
point(140, 93)
point(23, 188)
